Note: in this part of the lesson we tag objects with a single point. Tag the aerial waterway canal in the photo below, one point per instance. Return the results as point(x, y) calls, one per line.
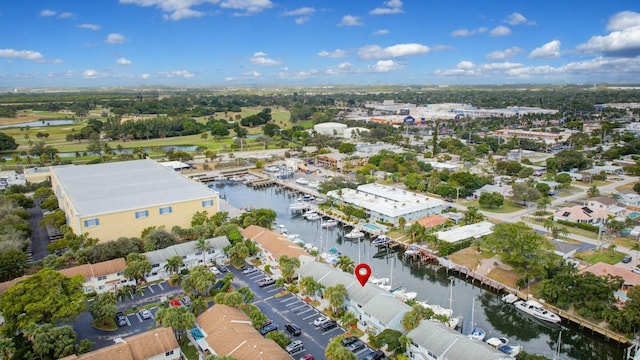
point(434, 285)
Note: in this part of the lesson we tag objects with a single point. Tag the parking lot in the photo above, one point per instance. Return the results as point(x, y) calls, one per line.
point(291, 309)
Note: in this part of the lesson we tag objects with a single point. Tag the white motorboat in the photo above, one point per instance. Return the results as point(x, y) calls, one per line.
point(511, 350)
point(314, 184)
point(496, 342)
point(536, 310)
point(302, 181)
point(379, 281)
point(309, 214)
point(381, 240)
point(354, 234)
point(477, 334)
point(404, 295)
point(510, 298)
point(313, 217)
point(330, 223)
point(412, 250)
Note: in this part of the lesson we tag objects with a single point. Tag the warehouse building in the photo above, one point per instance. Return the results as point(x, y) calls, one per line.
point(112, 200)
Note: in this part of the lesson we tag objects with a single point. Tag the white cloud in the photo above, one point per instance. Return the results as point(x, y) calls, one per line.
point(377, 52)
point(254, 74)
point(549, 50)
point(302, 20)
point(91, 74)
point(623, 41)
point(386, 66)
point(504, 54)
point(518, 19)
point(145, 76)
point(89, 26)
point(173, 9)
point(349, 20)
point(500, 31)
point(123, 61)
point(248, 7)
point(20, 54)
point(177, 73)
point(623, 21)
point(300, 11)
point(467, 32)
point(390, 7)
point(260, 58)
point(345, 66)
point(115, 38)
point(47, 13)
point(381, 32)
point(66, 15)
point(337, 53)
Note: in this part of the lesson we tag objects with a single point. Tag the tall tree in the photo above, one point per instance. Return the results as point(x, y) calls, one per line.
point(202, 246)
point(45, 297)
point(103, 309)
point(137, 267)
point(288, 266)
point(174, 264)
point(335, 295)
point(179, 318)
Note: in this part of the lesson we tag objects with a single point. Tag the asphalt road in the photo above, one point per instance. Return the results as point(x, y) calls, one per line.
point(39, 237)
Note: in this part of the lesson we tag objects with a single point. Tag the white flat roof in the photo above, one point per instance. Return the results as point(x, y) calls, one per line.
point(386, 200)
point(466, 232)
point(128, 185)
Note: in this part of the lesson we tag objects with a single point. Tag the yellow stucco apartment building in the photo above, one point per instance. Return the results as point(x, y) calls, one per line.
point(112, 200)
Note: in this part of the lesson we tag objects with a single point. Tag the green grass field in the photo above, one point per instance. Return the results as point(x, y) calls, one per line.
point(508, 207)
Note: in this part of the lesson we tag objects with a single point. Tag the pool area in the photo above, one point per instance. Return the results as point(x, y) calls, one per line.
point(196, 333)
point(371, 227)
point(375, 229)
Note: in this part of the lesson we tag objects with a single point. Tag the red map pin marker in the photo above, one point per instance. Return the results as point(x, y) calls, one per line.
point(362, 272)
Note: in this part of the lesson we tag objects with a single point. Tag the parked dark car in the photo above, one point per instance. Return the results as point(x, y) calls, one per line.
point(121, 319)
point(376, 355)
point(348, 340)
point(294, 329)
point(223, 269)
point(269, 328)
point(626, 259)
point(356, 345)
point(328, 325)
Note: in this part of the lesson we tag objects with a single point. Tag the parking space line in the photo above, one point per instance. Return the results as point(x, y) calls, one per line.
point(306, 311)
point(334, 329)
point(299, 307)
point(151, 289)
point(139, 317)
point(310, 316)
point(274, 289)
point(293, 303)
point(288, 299)
point(160, 286)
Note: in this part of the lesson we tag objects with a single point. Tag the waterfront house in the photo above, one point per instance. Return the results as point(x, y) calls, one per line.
point(374, 307)
point(273, 245)
point(432, 340)
point(101, 277)
point(461, 233)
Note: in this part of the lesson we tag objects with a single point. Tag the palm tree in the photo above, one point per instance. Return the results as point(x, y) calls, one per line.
point(472, 215)
point(558, 230)
point(202, 245)
point(179, 318)
point(199, 305)
point(123, 293)
point(174, 264)
point(349, 319)
point(345, 263)
point(336, 295)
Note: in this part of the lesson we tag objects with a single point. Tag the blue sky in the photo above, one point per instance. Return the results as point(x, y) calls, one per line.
point(49, 43)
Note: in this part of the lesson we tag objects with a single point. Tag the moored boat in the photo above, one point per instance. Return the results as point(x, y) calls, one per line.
point(354, 234)
point(536, 310)
point(330, 223)
point(497, 341)
point(381, 240)
point(511, 350)
point(302, 181)
point(510, 298)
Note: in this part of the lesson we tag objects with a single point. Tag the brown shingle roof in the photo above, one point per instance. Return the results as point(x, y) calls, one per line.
point(229, 332)
point(603, 269)
point(118, 351)
point(109, 267)
point(432, 221)
point(152, 342)
point(273, 242)
point(84, 270)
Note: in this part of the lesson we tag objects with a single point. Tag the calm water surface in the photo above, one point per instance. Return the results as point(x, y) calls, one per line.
point(435, 285)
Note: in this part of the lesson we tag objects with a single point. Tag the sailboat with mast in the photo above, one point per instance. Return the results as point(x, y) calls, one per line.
point(476, 332)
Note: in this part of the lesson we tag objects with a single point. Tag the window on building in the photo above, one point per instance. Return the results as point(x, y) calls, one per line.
point(91, 222)
point(199, 252)
point(166, 210)
point(207, 203)
point(142, 214)
point(155, 265)
point(120, 273)
point(100, 287)
point(168, 353)
point(100, 278)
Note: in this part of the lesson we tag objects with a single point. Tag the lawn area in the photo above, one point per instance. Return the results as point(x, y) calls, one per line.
point(469, 257)
point(508, 207)
point(503, 276)
point(602, 255)
point(571, 230)
point(188, 349)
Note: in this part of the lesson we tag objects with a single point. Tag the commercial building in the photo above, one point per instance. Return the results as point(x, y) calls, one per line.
point(112, 200)
point(387, 204)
